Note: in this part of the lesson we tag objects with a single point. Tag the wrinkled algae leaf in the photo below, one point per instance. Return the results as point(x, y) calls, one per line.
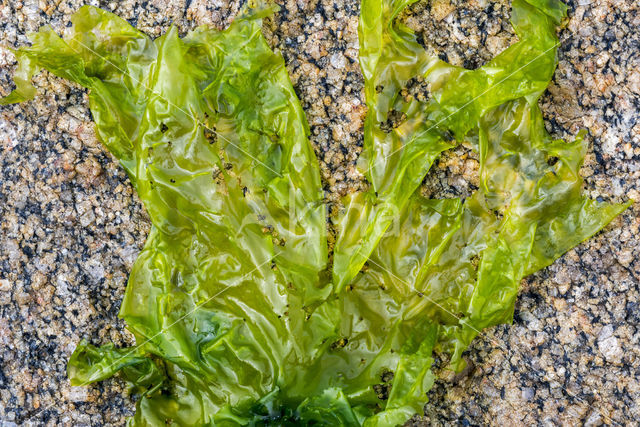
point(238, 315)
point(396, 161)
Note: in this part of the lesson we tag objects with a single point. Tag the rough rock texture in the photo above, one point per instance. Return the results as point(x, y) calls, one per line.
point(71, 227)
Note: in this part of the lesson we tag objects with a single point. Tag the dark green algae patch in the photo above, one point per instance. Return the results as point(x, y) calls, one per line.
point(239, 315)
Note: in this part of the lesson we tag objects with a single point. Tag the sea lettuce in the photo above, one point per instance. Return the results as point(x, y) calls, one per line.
point(240, 317)
point(214, 140)
point(396, 160)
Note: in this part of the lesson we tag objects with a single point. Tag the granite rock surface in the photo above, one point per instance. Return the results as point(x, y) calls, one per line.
point(71, 226)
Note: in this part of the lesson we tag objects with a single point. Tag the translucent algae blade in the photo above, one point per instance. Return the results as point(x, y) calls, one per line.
point(215, 142)
point(528, 211)
point(186, 116)
point(403, 137)
point(534, 183)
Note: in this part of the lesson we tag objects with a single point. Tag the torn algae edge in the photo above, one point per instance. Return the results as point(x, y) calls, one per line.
point(231, 301)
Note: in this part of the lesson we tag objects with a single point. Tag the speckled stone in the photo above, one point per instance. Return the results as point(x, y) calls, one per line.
point(71, 226)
